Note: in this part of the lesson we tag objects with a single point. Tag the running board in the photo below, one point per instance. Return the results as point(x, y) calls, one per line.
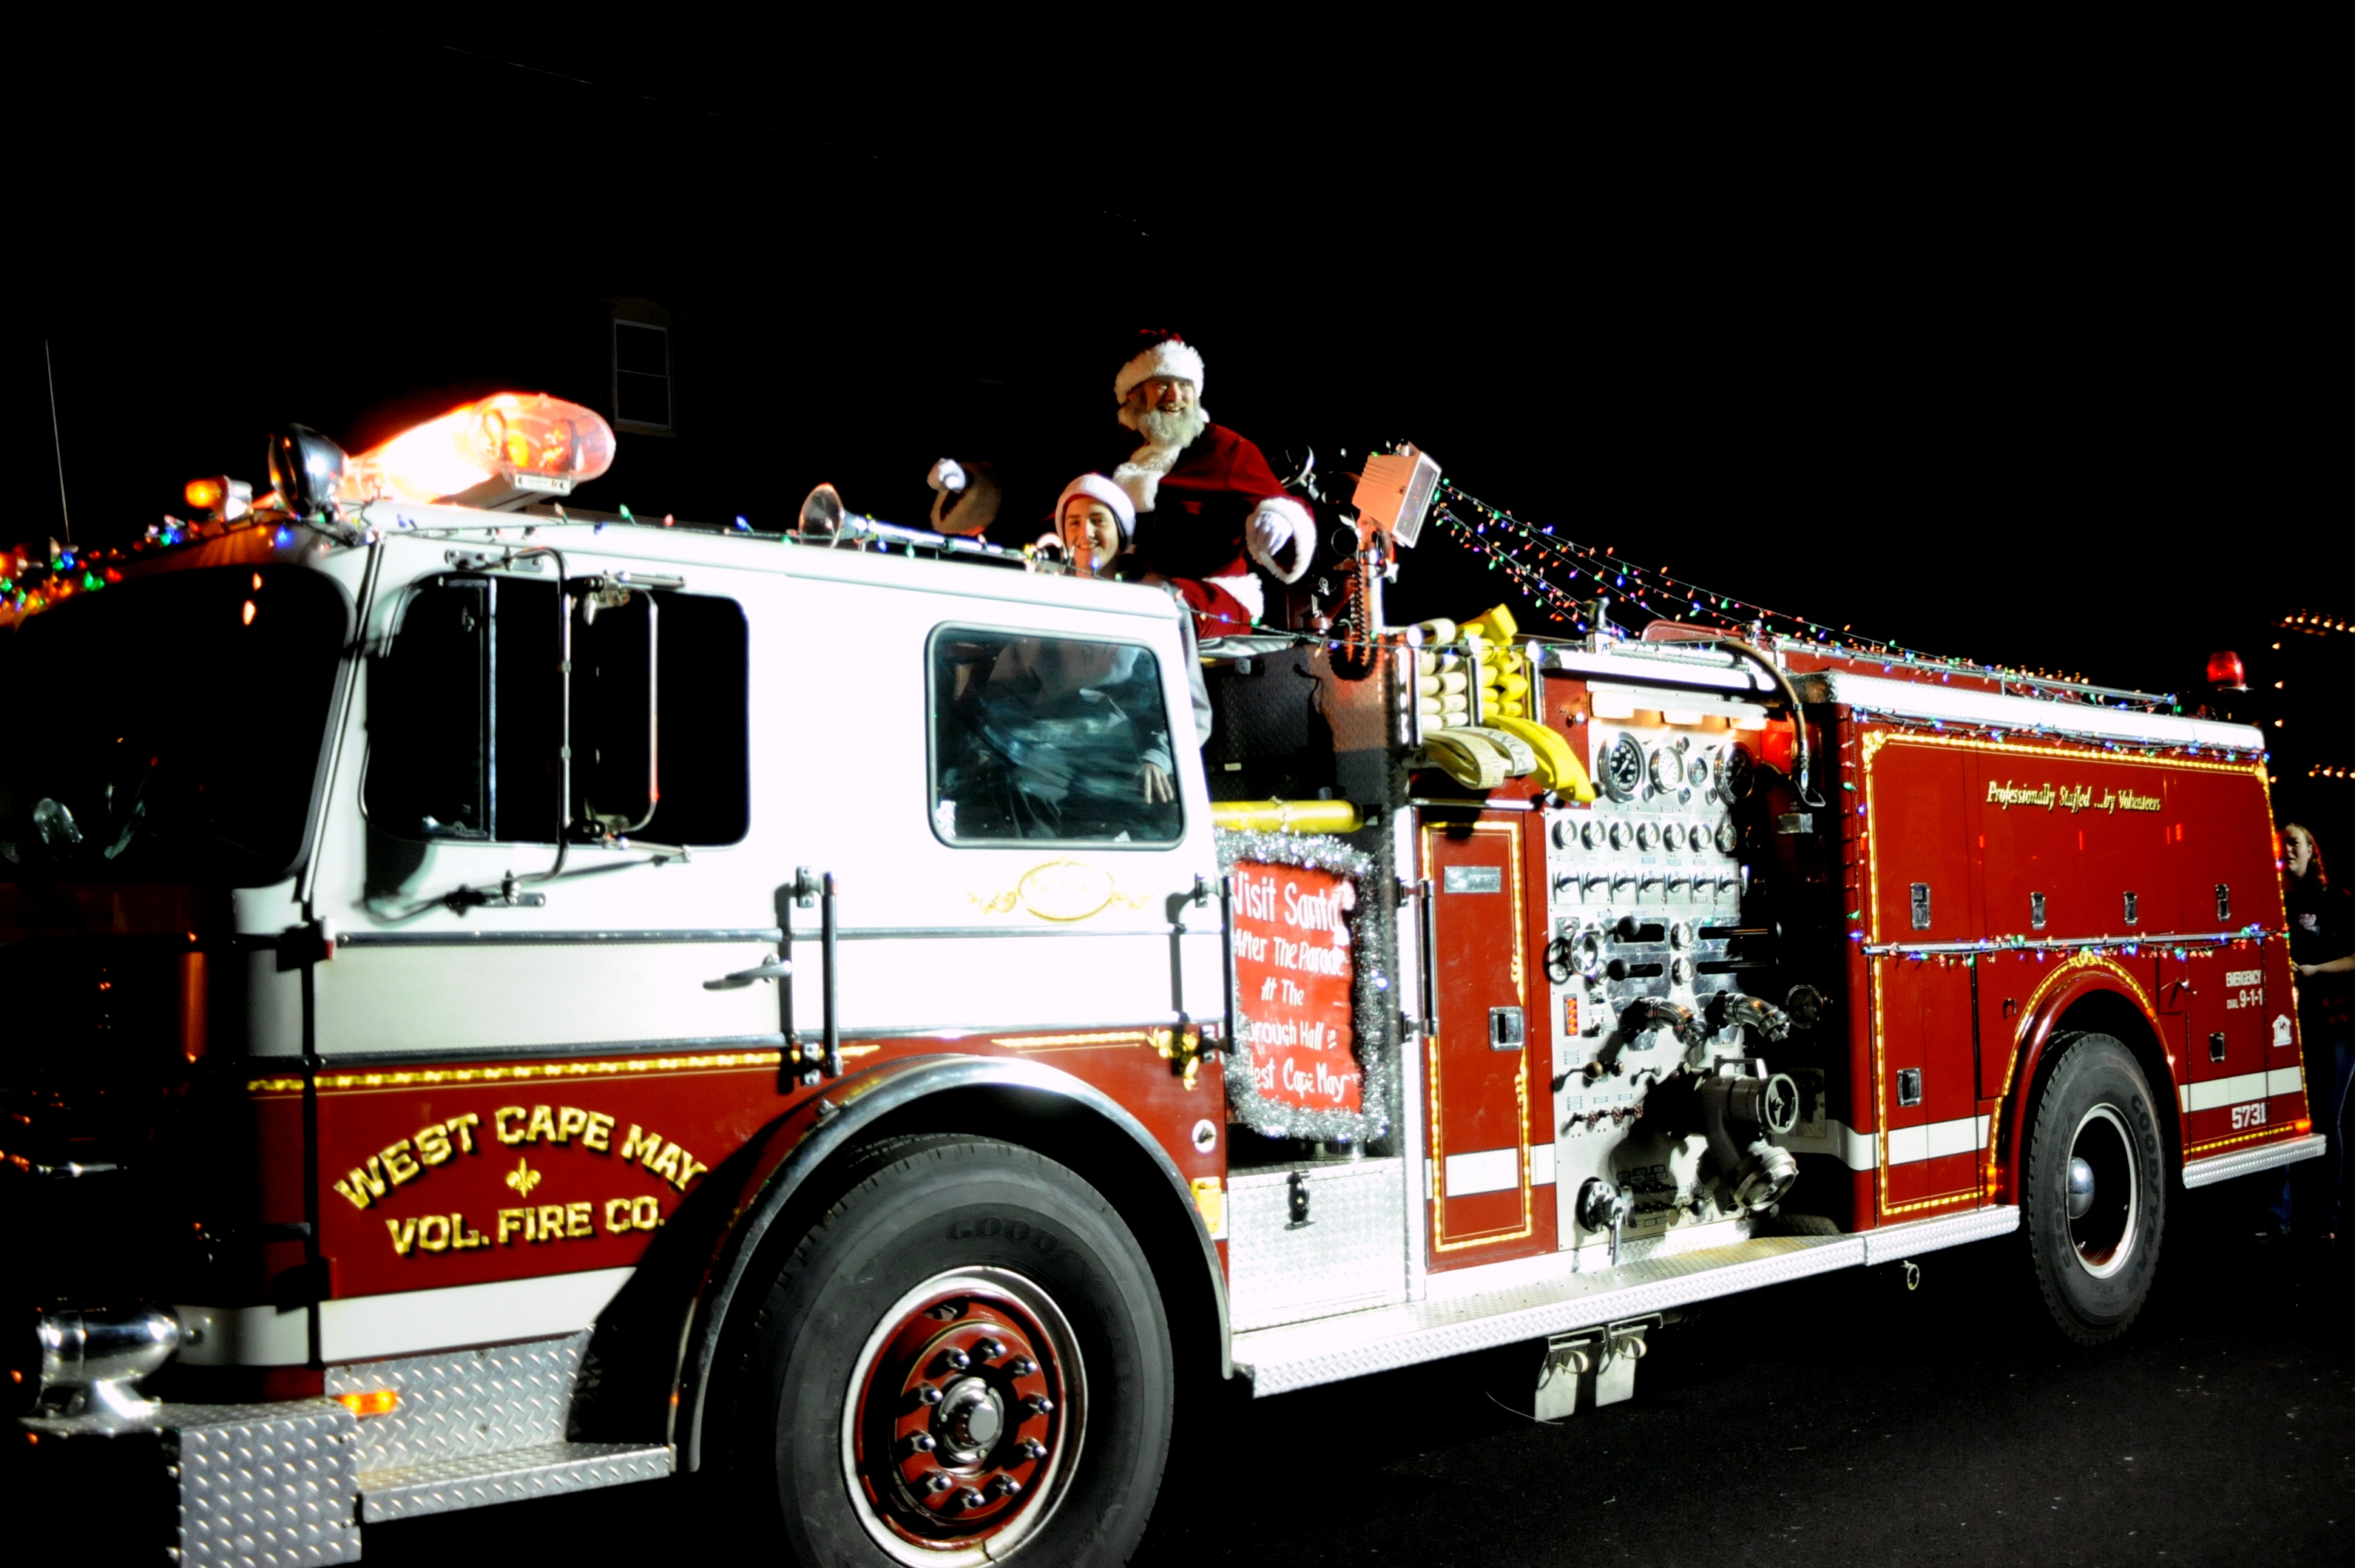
point(1553, 1299)
point(2264, 1157)
point(476, 1480)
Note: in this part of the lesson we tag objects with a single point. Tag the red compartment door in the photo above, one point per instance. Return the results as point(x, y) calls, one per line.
point(1478, 1088)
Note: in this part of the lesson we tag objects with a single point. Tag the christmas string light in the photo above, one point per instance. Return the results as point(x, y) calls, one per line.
point(1505, 539)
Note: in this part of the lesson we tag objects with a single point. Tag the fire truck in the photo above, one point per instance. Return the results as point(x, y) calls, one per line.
point(503, 1001)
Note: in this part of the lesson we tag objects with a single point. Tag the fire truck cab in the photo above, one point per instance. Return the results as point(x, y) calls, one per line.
point(513, 1002)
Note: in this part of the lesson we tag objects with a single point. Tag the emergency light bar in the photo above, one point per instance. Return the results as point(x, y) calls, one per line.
point(502, 451)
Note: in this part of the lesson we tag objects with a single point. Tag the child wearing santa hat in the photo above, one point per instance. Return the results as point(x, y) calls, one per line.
point(1097, 522)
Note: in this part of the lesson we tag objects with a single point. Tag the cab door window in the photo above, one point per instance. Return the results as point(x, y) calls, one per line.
point(467, 729)
point(1061, 739)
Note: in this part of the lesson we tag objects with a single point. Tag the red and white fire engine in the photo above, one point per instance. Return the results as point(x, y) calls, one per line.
point(500, 1002)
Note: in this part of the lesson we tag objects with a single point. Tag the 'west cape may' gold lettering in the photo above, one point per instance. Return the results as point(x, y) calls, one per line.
point(436, 1142)
point(2076, 797)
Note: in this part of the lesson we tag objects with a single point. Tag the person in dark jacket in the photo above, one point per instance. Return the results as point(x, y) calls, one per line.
point(2322, 953)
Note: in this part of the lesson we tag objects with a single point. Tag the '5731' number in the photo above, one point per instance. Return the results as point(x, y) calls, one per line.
point(2251, 1116)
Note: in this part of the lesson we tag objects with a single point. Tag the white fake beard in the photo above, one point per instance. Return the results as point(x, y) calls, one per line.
point(1166, 432)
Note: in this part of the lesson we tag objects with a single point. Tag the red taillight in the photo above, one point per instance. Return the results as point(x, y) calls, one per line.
point(2225, 673)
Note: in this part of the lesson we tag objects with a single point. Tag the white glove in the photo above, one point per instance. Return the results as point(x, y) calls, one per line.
point(946, 474)
point(1271, 530)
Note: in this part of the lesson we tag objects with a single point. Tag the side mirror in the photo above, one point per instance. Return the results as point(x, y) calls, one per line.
point(306, 469)
point(616, 766)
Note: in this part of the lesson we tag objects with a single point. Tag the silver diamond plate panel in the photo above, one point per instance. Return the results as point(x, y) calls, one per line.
point(1893, 1244)
point(457, 1404)
point(266, 1486)
point(1303, 1355)
point(478, 1479)
point(2224, 1167)
point(1351, 1253)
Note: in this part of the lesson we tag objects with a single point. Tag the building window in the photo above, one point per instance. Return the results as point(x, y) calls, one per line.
point(642, 390)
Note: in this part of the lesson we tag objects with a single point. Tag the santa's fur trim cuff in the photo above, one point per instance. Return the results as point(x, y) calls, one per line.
point(1171, 357)
point(1304, 537)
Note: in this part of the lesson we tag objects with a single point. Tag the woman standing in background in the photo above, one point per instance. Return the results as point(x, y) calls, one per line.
point(2322, 952)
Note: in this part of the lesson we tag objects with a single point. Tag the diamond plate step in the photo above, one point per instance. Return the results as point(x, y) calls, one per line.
point(476, 1480)
point(1478, 1309)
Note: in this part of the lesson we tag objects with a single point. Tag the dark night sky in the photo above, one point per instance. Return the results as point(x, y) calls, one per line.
point(2010, 366)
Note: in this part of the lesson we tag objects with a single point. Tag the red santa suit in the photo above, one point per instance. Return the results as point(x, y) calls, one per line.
point(1209, 511)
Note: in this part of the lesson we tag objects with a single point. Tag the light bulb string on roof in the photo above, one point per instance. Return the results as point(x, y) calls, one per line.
point(1502, 538)
point(1618, 571)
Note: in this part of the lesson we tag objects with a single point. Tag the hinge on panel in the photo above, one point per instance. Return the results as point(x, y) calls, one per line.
point(1920, 906)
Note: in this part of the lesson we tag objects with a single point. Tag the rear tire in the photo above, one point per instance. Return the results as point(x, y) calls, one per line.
point(998, 1287)
point(2095, 1268)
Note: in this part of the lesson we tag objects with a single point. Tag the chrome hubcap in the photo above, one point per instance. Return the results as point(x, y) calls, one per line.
point(2104, 1193)
point(2081, 1187)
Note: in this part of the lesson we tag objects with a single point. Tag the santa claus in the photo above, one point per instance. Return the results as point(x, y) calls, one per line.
point(1209, 507)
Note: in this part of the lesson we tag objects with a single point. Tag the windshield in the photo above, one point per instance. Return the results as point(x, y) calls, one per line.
point(170, 728)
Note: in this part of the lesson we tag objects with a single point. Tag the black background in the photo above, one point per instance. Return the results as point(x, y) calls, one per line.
point(2015, 349)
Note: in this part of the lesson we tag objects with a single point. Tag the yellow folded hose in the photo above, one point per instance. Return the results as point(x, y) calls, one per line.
point(1558, 766)
point(1470, 758)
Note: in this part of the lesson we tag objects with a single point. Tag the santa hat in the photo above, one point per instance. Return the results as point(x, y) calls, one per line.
point(1096, 488)
point(1154, 352)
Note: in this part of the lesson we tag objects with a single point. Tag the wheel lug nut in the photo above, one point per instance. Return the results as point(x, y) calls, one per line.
point(1004, 1487)
point(1022, 1366)
point(1032, 1448)
point(1036, 1404)
point(937, 1483)
point(929, 1394)
point(970, 1498)
point(957, 1360)
point(989, 1350)
point(922, 1443)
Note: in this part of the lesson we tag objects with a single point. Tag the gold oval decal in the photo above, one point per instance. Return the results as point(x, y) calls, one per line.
point(1065, 890)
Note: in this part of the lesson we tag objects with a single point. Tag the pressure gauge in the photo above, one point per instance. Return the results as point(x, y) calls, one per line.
point(1672, 838)
point(1590, 834)
point(1647, 835)
point(1668, 770)
point(1734, 775)
point(1566, 833)
point(1620, 834)
point(1726, 838)
point(1623, 768)
point(1698, 770)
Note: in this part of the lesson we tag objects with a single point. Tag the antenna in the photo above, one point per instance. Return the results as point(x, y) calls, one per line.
point(57, 440)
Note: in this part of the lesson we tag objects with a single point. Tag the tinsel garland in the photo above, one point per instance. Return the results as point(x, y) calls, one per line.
point(1378, 1058)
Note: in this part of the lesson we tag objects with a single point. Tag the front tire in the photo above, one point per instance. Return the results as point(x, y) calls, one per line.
point(965, 1360)
point(2095, 1194)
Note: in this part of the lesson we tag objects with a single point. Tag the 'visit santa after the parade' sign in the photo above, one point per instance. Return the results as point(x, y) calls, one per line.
point(1295, 972)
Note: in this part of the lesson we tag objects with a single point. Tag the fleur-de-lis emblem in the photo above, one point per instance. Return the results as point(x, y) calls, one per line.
point(523, 1178)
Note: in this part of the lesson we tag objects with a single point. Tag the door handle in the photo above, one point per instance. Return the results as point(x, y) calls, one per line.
point(772, 969)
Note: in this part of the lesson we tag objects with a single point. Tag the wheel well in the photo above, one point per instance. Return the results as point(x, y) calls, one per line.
point(2107, 1012)
point(1110, 1160)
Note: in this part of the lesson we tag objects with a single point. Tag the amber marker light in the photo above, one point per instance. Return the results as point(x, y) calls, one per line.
point(203, 495)
point(2304, 1125)
point(375, 1401)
